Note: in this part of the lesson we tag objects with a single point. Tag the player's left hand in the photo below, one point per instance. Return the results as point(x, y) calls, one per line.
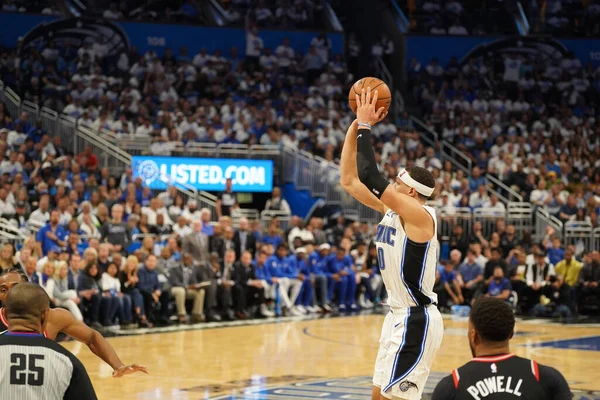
point(128, 369)
point(365, 107)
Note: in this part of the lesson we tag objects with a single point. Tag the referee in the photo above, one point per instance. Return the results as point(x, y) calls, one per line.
point(35, 367)
point(495, 373)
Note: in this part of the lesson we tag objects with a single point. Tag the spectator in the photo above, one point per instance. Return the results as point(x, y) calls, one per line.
point(343, 281)
point(495, 260)
point(187, 284)
point(89, 292)
point(226, 200)
point(252, 289)
point(569, 268)
point(558, 302)
point(289, 288)
point(233, 292)
point(537, 277)
point(121, 304)
point(499, 287)
point(52, 234)
point(298, 269)
point(243, 239)
point(277, 203)
point(196, 243)
point(449, 288)
point(150, 288)
point(116, 232)
point(471, 276)
point(129, 279)
point(588, 288)
point(62, 295)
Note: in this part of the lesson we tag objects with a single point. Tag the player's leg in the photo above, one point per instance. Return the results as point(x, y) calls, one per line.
point(414, 348)
point(379, 374)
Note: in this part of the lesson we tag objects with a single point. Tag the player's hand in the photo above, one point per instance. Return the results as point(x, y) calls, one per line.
point(128, 369)
point(365, 108)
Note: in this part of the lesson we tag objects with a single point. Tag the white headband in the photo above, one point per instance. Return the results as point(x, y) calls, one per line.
point(405, 177)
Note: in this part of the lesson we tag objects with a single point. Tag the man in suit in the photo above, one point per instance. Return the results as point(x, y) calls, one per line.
point(186, 284)
point(196, 243)
point(224, 243)
point(219, 298)
point(243, 239)
point(537, 276)
point(228, 284)
point(252, 289)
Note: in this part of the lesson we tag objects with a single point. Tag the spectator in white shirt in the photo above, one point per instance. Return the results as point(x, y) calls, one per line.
point(495, 205)
point(42, 214)
point(479, 198)
point(540, 195)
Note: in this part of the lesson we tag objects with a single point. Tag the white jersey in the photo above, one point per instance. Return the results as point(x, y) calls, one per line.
point(407, 268)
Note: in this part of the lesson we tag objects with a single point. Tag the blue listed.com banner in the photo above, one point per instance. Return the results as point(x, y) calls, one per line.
point(207, 174)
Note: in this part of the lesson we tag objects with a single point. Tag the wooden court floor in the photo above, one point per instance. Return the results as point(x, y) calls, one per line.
point(231, 362)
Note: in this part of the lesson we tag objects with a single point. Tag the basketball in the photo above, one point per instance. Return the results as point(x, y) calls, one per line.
point(384, 98)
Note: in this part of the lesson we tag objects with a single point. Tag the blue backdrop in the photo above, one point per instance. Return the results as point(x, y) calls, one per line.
point(424, 48)
point(204, 173)
point(157, 37)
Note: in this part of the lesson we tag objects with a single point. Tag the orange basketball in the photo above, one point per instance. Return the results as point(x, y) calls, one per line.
point(384, 94)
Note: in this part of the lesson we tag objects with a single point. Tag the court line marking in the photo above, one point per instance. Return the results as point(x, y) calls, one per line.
point(325, 339)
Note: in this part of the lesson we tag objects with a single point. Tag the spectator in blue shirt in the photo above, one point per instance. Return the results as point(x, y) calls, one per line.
point(470, 276)
point(273, 236)
point(568, 210)
point(499, 286)
point(289, 288)
point(556, 253)
point(299, 269)
point(320, 276)
point(476, 180)
point(51, 234)
point(343, 281)
point(150, 287)
point(449, 287)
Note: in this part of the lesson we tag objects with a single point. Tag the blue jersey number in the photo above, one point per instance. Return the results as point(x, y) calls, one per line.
point(381, 258)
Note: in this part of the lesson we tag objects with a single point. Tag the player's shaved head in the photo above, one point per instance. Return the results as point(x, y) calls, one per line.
point(26, 302)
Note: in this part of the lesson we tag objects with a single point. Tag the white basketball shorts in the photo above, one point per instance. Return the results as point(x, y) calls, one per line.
point(410, 338)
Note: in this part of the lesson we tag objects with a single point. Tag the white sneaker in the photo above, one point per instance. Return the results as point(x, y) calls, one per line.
point(264, 310)
point(302, 309)
point(320, 309)
point(369, 304)
point(311, 309)
point(327, 308)
point(295, 312)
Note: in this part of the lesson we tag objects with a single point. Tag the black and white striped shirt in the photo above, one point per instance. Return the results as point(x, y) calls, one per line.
point(36, 368)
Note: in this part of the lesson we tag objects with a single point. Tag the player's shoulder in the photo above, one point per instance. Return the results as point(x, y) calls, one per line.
point(445, 389)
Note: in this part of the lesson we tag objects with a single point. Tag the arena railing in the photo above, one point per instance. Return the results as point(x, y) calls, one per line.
point(596, 238)
point(580, 234)
point(12, 102)
point(11, 232)
point(544, 220)
point(512, 194)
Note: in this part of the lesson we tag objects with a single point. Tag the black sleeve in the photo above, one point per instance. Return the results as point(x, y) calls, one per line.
point(445, 389)
point(366, 165)
point(80, 386)
point(554, 384)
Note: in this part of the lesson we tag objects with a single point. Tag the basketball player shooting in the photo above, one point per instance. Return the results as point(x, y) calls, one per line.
point(407, 249)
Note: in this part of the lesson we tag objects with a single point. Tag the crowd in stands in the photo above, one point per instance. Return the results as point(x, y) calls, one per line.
point(303, 14)
point(458, 17)
point(546, 279)
point(533, 126)
point(564, 17)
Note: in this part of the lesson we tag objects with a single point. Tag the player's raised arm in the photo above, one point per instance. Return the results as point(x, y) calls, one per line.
point(349, 175)
point(407, 207)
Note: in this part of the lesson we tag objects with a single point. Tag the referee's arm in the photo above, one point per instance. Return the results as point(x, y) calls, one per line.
point(554, 384)
point(444, 390)
point(80, 386)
